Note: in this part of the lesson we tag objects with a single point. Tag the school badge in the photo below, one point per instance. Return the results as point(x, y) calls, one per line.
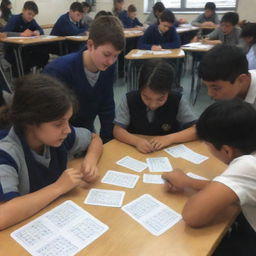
point(166, 127)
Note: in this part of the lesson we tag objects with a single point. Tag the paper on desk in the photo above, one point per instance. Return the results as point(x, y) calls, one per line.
point(132, 164)
point(104, 197)
point(153, 215)
point(199, 45)
point(140, 53)
point(195, 176)
point(21, 37)
point(186, 153)
point(153, 178)
point(48, 37)
point(159, 164)
point(120, 179)
point(63, 231)
point(132, 31)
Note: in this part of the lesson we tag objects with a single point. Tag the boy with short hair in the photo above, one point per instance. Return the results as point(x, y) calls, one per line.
point(90, 73)
point(86, 20)
point(24, 24)
point(161, 36)
point(129, 19)
point(157, 10)
point(117, 7)
point(224, 70)
point(229, 130)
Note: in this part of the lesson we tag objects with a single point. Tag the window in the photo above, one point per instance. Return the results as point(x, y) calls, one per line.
point(192, 5)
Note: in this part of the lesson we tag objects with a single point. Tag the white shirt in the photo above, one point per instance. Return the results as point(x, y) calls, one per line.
point(251, 57)
point(240, 176)
point(251, 94)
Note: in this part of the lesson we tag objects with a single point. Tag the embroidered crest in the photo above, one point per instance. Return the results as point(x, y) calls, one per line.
point(166, 127)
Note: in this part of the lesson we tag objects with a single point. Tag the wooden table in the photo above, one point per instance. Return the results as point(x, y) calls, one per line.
point(132, 33)
point(77, 38)
point(125, 236)
point(18, 43)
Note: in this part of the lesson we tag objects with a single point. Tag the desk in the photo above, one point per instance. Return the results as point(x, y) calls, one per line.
point(77, 38)
point(47, 26)
point(19, 43)
point(184, 29)
point(133, 33)
point(134, 62)
point(125, 236)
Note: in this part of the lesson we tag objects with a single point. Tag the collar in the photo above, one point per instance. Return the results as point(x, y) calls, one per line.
point(251, 94)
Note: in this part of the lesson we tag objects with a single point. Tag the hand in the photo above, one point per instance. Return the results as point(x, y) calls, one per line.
point(140, 28)
point(159, 142)
point(156, 48)
point(2, 35)
point(194, 39)
point(182, 21)
point(69, 179)
point(208, 24)
point(36, 33)
point(176, 180)
point(144, 146)
point(27, 32)
point(89, 171)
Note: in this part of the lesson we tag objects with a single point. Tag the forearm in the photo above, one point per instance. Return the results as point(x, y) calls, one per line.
point(124, 136)
point(22, 207)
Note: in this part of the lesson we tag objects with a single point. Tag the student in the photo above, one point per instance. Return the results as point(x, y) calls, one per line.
point(161, 36)
point(229, 130)
point(117, 7)
point(90, 73)
point(6, 13)
point(209, 18)
point(34, 153)
point(227, 33)
point(129, 19)
point(248, 34)
point(86, 20)
point(154, 110)
point(157, 10)
point(25, 25)
point(69, 24)
point(224, 70)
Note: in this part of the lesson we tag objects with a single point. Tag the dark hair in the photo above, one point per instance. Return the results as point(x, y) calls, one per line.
point(38, 99)
point(117, 1)
point(223, 62)
point(249, 30)
point(85, 4)
point(76, 7)
point(107, 29)
point(231, 123)
point(102, 13)
point(210, 6)
point(230, 17)
point(157, 75)
point(158, 7)
point(31, 5)
point(167, 16)
point(6, 12)
point(131, 8)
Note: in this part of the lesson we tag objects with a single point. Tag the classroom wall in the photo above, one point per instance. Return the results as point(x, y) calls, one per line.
point(50, 10)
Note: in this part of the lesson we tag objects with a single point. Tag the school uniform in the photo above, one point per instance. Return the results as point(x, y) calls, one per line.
point(134, 116)
point(251, 94)
point(23, 171)
point(153, 36)
point(151, 19)
point(202, 18)
point(31, 55)
point(251, 57)
point(127, 21)
point(94, 91)
point(86, 20)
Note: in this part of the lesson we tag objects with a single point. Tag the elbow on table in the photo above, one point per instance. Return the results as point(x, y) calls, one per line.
point(193, 218)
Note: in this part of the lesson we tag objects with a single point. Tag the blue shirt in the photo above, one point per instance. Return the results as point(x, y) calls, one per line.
point(93, 100)
point(152, 36)
point(17, 24)
point(127, 21)
point(65, 27)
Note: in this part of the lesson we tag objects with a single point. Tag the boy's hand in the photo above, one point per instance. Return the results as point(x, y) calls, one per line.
point(89, 171)
point(27, 32)
point(159, 142)
point(144, 146)
point(36, 33)
point(176, 180)
point(156, 48)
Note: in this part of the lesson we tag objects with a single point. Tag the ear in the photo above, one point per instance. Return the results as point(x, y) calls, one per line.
point(242, 79)
point(90, 44)
point(229, 152)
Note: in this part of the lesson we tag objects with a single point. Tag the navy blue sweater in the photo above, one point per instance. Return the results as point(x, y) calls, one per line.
point(93, 101)
point(64, 27)
point(127, 21)
point(17, 24)
point(152, 36)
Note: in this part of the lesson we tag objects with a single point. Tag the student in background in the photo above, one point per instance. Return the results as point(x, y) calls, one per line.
point(90, 74)
point(117, 7)
point(229, 130)
point(154, 110)
point(25, 25)
point(209, 18)
point(34, 153)
point(227, 33)
point(129, 19)
point(86, 20)
point(6, 13)
point(224, 70)
point(69, 24)
point(157, 10)
point(161, 36)
point(248, 34)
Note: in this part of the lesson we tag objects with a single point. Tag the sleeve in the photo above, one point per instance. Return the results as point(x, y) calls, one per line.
point(185, 115)
point(10, 25)
point(197, 21)
point(37, 27)
point(122, 118)
point(143, 41)
point(216, 19)
point(174, 40)
point(9, 178)
point(137, 22)
point(151, 19)
point(214, 35)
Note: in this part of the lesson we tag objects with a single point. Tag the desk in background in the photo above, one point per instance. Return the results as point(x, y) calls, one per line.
point(125, 236)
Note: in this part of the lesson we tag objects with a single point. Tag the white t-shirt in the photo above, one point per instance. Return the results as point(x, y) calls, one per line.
point(251, 94)
point(240, 176)
point(251, 57)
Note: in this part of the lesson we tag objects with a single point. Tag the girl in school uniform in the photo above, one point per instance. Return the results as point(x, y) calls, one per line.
point(35, 151)
point(154, 110)
point(248, 34)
